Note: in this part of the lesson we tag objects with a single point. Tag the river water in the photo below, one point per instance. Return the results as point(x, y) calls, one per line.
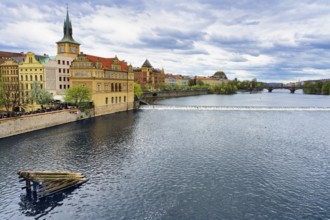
point(182, 164)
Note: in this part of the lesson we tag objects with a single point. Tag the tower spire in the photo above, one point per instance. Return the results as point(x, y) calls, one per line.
point(67, 29)
point(67, 45)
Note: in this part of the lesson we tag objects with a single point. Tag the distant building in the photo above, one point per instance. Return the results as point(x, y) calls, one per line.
point(148, 76)
point(218, 77)
point(111, 82)
point(176, 80)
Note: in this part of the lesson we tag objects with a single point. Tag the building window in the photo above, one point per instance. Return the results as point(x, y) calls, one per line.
point(58, 62)
point(60, 79)
point(40, 77)
point(59, 70)
point(36, 78)
point(60, 86)
point(120, 99)
point(98, 87)
point(30, 59)
point(116, 99)
point(67, 63)
point(68, 86)
point(64, 79)
point(21, 77)
point(41, 86)
point(124, 98)
point(111, 99)
point(64, 86)
point(106, 100)
point(111, 87)
point(67, 71)
point(26, 78)
point(63, 62)
point(30, 77)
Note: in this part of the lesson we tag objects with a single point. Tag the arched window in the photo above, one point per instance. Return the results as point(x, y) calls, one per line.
point(112, 88)
point(36, 78)
point(106, 100)
point(119, 87)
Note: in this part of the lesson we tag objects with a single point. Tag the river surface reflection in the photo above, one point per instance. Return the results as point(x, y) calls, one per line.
point(153, 164)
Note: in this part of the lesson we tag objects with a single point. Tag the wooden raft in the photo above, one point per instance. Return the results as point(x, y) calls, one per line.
point(45, 183)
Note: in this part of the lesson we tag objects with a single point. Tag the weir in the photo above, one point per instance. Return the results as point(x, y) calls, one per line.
point(231, 108)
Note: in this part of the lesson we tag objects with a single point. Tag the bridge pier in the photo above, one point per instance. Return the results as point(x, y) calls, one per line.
point(292, 90)
point(270, 89)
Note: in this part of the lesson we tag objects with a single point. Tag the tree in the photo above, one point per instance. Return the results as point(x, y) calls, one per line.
point(326, 88)
point(9, 95)
point(38, 95)
point(78, 94)
point(2, 93)
point(137, 90)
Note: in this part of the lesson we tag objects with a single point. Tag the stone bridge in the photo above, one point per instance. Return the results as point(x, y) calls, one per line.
point(292, 88)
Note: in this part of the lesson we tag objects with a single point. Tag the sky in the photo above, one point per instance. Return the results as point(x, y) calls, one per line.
point(270, 40)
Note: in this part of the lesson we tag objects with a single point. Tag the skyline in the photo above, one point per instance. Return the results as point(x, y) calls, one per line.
point(274, 41)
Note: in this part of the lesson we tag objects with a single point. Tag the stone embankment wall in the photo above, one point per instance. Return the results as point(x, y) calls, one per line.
point(18, 125)
point(150, 97)
point(113, 108)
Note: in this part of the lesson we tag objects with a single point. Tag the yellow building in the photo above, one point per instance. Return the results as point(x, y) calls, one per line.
point(10, 78)
point(111, 82)
point(31, 70)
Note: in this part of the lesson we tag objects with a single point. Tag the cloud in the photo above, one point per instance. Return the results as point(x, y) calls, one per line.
point(268, 40)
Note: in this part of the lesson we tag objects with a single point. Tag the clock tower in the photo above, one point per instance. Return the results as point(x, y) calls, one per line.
point(68, 46)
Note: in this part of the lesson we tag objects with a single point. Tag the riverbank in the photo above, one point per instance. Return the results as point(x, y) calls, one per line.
point(151, 97)
point(18, 125)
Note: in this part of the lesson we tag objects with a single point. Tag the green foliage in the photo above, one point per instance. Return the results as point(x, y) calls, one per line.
point(313, 87)
point(38, 95)
point(326, 88)
point(137, 90)
point(224, 88)
point(2, 92)
point(248, 85)
point(78, 95)
point(200, 83)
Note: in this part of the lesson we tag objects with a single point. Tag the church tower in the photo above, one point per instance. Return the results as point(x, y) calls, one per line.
point(68, 46)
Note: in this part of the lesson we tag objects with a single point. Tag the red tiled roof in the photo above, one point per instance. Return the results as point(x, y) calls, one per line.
point(106, 62)
point(169, 75)
point(11, 54)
